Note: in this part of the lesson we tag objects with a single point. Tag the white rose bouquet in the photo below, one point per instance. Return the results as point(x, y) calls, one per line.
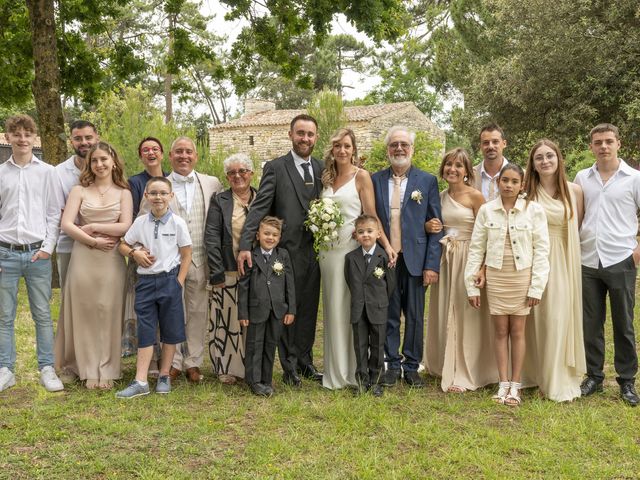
point(323, 220)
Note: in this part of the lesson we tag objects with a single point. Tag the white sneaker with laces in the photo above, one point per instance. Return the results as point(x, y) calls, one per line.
point(7, 378)
point(50, 380)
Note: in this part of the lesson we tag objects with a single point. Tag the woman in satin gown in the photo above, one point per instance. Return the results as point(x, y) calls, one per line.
point(351, 187)
point(88, 341)
point(555, 345)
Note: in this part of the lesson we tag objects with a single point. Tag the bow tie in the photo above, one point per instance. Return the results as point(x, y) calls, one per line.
point(181, 179)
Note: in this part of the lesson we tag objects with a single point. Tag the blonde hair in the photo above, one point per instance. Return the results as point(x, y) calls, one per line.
point(330, 171)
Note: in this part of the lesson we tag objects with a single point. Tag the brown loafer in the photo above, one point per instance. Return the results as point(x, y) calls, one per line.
point(174, 373)
point(194, 375)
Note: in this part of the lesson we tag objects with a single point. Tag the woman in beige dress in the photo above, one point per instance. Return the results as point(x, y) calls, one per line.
point(88, 343)
point(555, 342)
point(226, 216)
point(459, 337)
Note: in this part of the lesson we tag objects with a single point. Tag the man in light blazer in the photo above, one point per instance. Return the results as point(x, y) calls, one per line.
point(406, 198)
point(289, 183)
point(192, 195)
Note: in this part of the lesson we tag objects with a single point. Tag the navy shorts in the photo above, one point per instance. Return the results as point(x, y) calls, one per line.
point(159, 303)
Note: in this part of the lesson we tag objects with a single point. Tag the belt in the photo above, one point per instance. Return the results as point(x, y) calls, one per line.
point(22, 248)
point(171, 273)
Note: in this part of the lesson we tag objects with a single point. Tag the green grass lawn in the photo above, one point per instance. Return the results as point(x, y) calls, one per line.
point(217, 431)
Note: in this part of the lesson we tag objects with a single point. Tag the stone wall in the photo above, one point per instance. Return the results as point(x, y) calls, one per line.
point(266, 142)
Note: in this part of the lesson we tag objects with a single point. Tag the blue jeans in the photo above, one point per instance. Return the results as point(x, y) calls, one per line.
point(37, 276)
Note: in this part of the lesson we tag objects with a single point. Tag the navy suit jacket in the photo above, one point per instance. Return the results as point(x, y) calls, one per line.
point(421, 251)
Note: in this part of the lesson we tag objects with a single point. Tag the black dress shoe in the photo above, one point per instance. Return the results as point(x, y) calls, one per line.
point(390, 377)
point(413, 379)
point(268, 389)
point(310, 372)
point(377, 390)
point(291, 379)
point(590, 386)
point(629, 395)
point(259, 389)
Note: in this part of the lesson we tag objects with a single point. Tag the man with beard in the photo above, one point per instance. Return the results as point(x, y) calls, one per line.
point(406, 198)
point(492, 143)
point(83, 137)
point(288, 185)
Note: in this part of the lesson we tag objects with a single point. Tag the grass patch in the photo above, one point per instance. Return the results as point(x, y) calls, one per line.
point(218, 431)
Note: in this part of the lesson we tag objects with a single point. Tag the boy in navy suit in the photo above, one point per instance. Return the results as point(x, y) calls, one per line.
point(266, 302)
point(371, 282)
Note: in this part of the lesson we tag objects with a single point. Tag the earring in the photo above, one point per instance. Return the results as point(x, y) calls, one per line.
point(465, 179)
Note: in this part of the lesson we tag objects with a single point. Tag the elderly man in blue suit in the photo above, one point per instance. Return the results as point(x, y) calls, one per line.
point(406, 198)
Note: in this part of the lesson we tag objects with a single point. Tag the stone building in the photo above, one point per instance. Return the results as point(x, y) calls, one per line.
point(262, 131)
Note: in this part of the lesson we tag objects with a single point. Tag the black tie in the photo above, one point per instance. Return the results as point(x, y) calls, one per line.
point(367, 257)
point(266, 256)
point(308, 179)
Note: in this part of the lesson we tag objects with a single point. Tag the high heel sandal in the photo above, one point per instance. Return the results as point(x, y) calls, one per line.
point(513, 399)
point(503, 390)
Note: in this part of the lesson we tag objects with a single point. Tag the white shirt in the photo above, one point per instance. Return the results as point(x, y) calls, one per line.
point(403, 187)
point(610, 225)
point(487, 180)
point(370, 252)
point(298, 160)
point(163, 237)
point(184, 189)
point(29, 204)
point(68, 176)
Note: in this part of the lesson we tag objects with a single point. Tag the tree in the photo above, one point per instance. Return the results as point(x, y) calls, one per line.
point(46, 82)
point(543, 68)
point(327, 108)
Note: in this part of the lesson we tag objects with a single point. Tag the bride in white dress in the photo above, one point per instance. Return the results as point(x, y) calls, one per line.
point(351, 187)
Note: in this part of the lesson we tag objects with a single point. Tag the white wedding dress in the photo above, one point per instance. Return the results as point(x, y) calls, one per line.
point(339, 355)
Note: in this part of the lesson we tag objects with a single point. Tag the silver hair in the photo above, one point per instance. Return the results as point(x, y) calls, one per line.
point(193, 144)
point(242, 158)
point(399, 128)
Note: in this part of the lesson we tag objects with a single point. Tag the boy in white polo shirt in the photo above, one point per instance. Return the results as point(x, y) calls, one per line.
point(163, 261)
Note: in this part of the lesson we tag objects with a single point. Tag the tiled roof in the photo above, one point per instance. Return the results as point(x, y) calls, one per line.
point(36, 144)
point(283, 117)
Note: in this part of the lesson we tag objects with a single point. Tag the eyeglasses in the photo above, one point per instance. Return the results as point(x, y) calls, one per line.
point(402, 145)
point(159, 194)
point(146, 151)
point(241, 171)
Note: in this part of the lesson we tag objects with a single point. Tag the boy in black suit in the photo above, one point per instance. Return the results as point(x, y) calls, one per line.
point(371, 283)
point(266, 301)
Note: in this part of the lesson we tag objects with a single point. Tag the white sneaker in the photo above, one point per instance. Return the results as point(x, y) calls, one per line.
point(50, 380)
point(7, 378)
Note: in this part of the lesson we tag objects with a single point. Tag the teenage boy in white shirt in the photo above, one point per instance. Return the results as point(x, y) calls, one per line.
point(610, 257)
point(29, 219)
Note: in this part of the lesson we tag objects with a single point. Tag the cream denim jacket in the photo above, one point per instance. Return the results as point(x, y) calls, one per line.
point(529, 236)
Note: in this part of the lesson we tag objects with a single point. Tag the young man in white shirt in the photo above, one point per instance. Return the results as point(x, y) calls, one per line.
point(29, 219)
point(492, 144)
point(610, 257)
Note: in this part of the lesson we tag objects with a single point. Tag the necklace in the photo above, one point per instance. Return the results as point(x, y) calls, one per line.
point(102, 194)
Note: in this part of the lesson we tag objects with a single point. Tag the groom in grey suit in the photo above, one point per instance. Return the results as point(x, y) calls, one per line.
point(289, 183)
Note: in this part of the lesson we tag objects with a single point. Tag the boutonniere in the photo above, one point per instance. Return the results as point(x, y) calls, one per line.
point(416, 196)
point(378, 272)
point(278, 267)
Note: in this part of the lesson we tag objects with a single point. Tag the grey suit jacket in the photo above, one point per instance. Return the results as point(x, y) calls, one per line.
point(368, 292)
point(281, 193)
point(261, 290)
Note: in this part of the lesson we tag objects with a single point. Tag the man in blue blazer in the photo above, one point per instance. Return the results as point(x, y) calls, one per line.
point(406, 198)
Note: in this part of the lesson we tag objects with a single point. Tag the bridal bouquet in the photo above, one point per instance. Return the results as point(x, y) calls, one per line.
point(324, 219)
